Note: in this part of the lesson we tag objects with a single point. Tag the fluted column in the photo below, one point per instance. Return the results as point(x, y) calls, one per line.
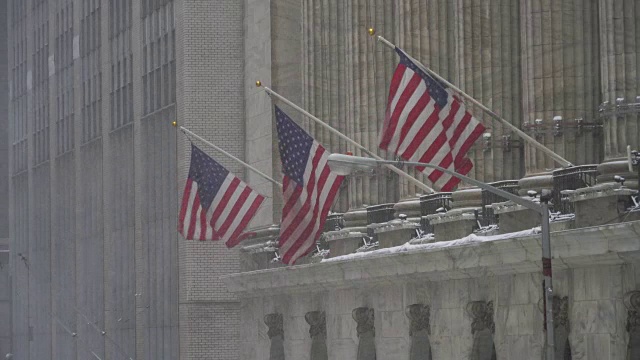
point(620, 64)
point(488, 68)
point(426, 31)
point(561, 77)
point(345, 82)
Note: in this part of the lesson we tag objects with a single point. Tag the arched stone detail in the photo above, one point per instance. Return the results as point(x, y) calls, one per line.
point(632, 303)
point(276, 335)
point(419, 330)
point(482, 329)
point(318, 333)
point(364, 317)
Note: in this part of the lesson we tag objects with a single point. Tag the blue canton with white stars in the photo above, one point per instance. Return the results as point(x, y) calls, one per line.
point(295, 145)
point(208, 174)
point(436, 89)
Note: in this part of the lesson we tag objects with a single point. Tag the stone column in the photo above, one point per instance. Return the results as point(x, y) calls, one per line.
point(364, 317)
point(425, 31)
point(561, 77)
point(345, 77)
point(619, 32)
point(318, 332)
point(632, 303)
point(276, 335)
point(482, 328)
point(488, 68)
point(419, 314)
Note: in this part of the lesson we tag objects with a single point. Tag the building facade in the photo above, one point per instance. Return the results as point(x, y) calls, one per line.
point(95, 168)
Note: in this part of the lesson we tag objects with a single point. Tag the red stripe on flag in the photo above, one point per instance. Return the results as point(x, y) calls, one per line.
point(185, 205)
point(428, 126)
point(412, 117)
point(309, 187)
point(407, 92)
point(323, 218)
point(395, 84)
point(234, 211)
point(223, 203)
point(237, 235)
point(194, 216)
point(316, 210)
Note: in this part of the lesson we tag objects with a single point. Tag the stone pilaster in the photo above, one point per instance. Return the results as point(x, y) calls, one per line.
point(560, 73)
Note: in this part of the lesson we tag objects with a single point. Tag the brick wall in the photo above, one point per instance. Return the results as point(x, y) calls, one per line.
point(210, 54)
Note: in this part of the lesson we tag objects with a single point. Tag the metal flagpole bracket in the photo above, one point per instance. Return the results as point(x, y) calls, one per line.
point(559, 159)
point(400, 172)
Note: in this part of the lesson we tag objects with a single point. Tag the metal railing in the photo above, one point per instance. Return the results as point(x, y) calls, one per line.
point(488, 198)
point(377, 214)
point(429, 204)
point(334, 222)
point(572, 178)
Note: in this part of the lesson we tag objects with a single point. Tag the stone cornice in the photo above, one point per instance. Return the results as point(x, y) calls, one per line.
point(601, 245)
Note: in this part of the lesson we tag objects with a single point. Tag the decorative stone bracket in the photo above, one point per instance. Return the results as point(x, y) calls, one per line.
point(482, 314)
point(420, 315)
point(317, 323)
point(275, 324)
point(364, 317)
point(632, 303)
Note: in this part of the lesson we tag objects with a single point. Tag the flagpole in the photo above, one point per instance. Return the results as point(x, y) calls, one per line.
point(267, 177)
point(562, 161)
point(398, 171)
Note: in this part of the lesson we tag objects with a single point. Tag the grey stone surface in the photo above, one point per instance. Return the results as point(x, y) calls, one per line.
point(512, 217)
point(620, 64)
point(454, 224)
point(506, 271)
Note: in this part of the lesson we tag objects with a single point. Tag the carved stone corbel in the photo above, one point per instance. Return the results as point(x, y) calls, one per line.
point(482, 314)
point(419, 314)
point(275, 324)
point(364, 317)
point(318, 333)
point(317, 323)
point(482, 327)
point(419, 330)
point(632, 303)
point(276, 335)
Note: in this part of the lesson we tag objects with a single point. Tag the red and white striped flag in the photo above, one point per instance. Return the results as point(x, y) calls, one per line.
point(309, 189)
point(216, 205)
point(426, 122)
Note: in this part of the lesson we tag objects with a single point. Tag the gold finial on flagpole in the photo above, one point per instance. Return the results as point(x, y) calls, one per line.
point(258, 83)
point(372, 31)
point(174, 123)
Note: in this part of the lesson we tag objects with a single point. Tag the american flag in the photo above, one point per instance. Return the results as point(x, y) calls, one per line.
point(309, 189)
point(426, 122)
point(216, 205)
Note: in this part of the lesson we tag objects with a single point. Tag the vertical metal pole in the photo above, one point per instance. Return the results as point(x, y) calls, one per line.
point(547, 284)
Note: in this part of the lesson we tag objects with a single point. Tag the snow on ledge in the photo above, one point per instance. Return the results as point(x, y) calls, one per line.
point(408, 247)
